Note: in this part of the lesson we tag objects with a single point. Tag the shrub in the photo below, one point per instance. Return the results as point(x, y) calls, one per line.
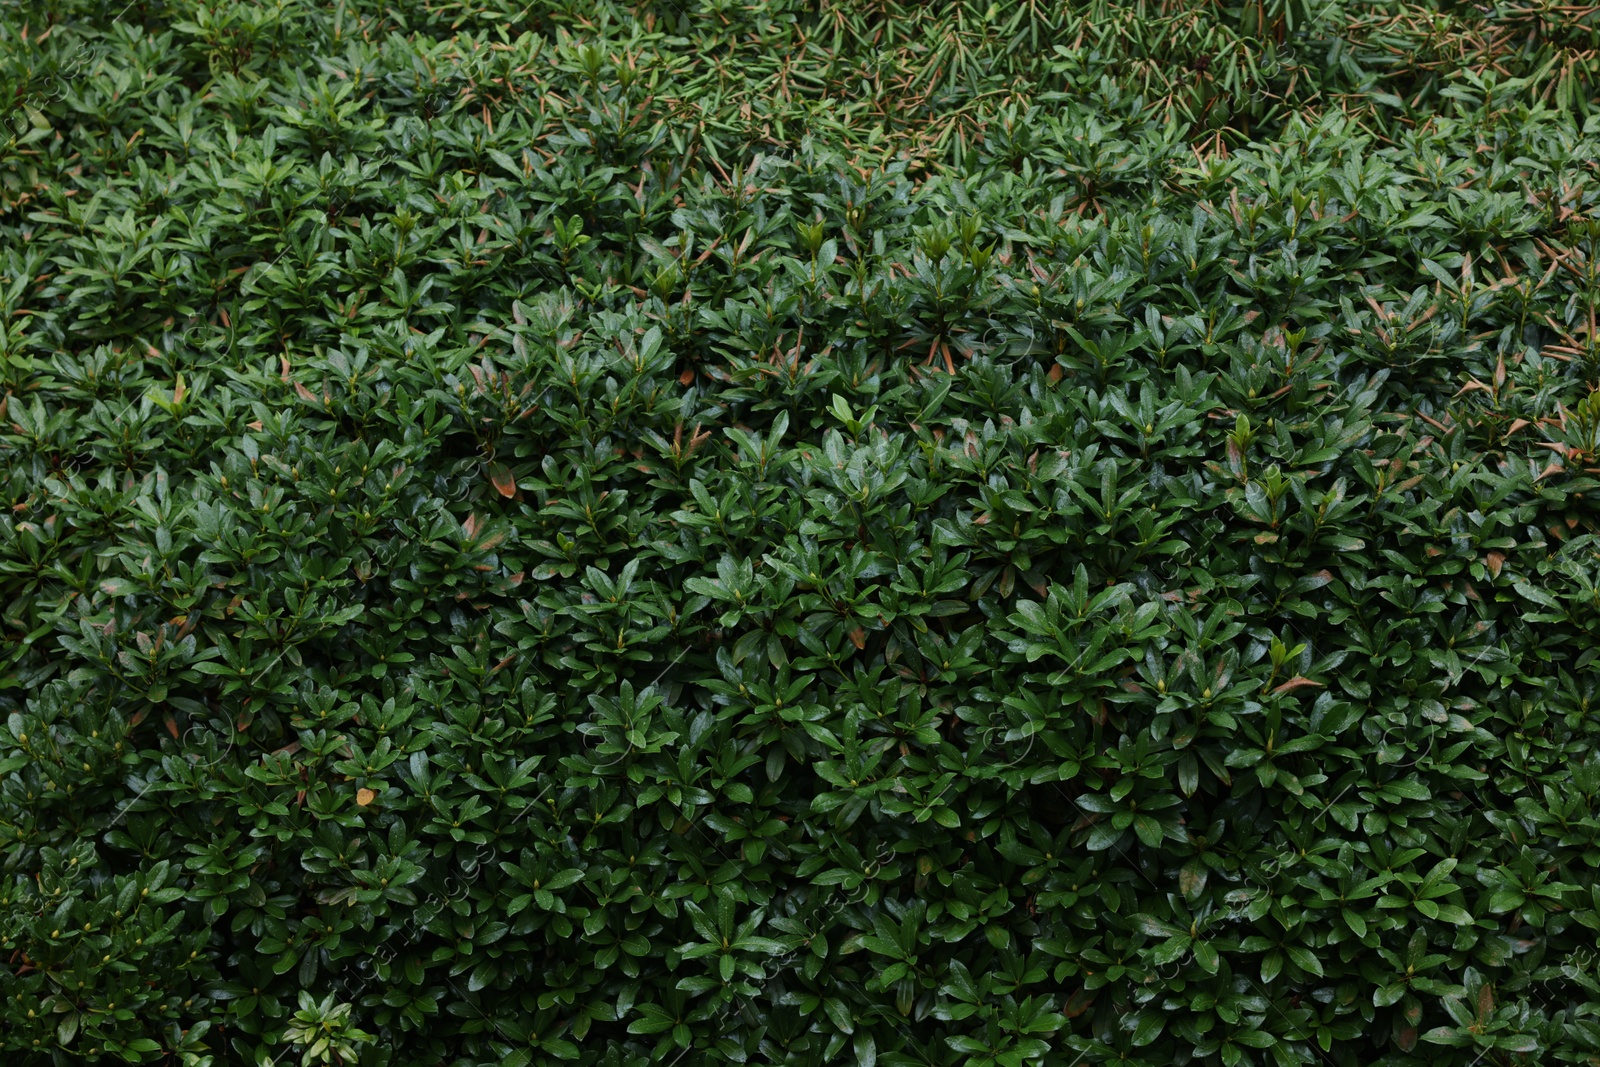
point(557, 534)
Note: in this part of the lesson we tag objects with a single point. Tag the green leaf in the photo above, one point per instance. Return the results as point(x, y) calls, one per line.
point(1147, 1026)
point(1192, 879)
point(1444, 1035)
point(1171, 949)
point(1305, 960)
point(652, 1020)
point(1506, 898)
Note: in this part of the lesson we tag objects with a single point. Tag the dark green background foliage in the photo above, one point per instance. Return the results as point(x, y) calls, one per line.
point(790, 532)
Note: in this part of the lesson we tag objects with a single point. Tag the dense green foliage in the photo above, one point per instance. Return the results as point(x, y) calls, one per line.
point(799, 532)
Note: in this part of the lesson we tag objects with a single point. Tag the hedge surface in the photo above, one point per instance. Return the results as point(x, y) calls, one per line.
point(971, 534)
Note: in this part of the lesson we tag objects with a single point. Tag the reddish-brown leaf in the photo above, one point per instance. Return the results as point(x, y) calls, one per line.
point(501, 478)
